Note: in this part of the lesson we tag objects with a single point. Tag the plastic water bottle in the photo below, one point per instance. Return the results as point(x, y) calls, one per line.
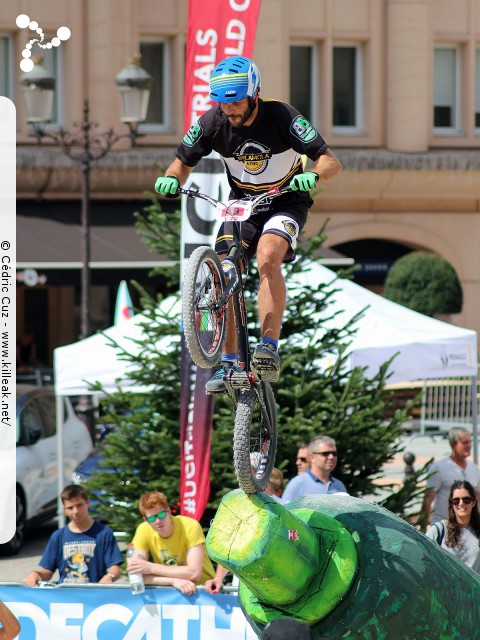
point(136, 579)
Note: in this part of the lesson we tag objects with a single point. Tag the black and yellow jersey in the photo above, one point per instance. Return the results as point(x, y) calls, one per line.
point(266, 154)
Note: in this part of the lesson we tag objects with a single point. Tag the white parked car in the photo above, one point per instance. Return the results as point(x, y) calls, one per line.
point(36, 455)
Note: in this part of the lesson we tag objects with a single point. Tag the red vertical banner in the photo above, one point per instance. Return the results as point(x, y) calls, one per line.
point(216, 30)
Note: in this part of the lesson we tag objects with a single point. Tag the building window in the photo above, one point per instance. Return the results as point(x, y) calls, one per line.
point(5, 67)
point(155, 61)
point(52, 63)
point(477, 90)
point(447, 90)
point(347, 80)
point(302, 80)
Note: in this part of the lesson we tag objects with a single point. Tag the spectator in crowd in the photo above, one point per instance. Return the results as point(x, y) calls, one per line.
point(286, 629)
point(216, 583)
point(10, 625)
point(84, 550)
point(27, 357)
point(176, 545)
point(303, 458)
point(275, 485)
point(317, 479)
point(444, 473)
point(460, 532)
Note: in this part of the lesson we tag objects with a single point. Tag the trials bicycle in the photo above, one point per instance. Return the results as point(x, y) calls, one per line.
point(208, 286)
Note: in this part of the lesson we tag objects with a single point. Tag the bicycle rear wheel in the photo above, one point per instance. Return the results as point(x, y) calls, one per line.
point(203, 322)
point(255, 438)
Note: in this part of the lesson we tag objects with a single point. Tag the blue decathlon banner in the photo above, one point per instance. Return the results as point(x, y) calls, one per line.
point(113, 613)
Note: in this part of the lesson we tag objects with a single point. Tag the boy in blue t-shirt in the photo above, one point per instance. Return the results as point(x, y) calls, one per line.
point(83, 551)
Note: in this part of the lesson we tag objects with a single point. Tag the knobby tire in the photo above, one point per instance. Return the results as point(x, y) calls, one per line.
point(204, 327)
point(255, 433)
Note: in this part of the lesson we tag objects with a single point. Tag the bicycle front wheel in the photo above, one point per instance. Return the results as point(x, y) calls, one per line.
point(255, 438)
point(203, 321)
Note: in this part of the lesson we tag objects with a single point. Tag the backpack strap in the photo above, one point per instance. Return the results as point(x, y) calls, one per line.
point(440, 527)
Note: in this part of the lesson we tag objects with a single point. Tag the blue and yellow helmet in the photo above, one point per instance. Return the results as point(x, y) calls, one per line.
point(234, 79)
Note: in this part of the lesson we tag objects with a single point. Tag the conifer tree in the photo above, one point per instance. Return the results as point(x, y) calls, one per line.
point(143, 448)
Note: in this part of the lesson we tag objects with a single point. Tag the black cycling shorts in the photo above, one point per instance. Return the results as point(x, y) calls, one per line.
point(286, 223)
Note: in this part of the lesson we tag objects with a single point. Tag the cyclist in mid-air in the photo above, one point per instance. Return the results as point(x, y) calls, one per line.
point(261, 143)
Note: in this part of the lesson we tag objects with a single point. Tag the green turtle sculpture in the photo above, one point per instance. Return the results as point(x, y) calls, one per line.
point(350, 569)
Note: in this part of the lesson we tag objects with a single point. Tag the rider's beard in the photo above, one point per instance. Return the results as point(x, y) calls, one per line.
point(246, 115)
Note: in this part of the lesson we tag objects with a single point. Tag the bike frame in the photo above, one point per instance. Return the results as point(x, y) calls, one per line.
point(255, 425)
point(233, 263)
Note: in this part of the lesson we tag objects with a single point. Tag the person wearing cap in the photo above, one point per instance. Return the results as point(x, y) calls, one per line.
point(262, 145)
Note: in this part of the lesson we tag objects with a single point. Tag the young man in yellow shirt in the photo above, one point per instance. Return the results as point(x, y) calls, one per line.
point(176, 545)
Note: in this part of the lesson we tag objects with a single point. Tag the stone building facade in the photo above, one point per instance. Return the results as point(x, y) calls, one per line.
point(393, 85)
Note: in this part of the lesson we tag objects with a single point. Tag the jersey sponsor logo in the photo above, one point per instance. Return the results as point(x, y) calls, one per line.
point(255, 156)
point(193, 135)
point(168, 559)
point(303, 130)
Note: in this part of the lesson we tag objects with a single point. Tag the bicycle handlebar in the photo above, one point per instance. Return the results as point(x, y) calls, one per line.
point(274, 192)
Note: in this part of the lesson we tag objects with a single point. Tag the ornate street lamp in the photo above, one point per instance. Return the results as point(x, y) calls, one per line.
point(38, 90)
point(85, 146)
point(134, 85)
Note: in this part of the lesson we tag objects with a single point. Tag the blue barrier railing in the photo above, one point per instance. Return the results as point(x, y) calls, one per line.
point(112, 612)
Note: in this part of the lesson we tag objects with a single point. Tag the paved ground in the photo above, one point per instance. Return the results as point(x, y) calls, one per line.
point(15, 568)
point(423, 447)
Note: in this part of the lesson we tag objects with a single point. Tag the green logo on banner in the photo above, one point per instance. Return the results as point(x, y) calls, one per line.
point(303, 129)
point(193, 134)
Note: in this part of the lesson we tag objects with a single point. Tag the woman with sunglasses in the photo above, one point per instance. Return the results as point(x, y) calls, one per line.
point(460, 533)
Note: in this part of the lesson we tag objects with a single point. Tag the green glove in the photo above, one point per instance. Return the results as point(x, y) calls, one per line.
point(167, 186)
point(304, 181)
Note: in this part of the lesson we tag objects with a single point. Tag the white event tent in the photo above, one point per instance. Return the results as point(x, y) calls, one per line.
point(79, 365)
point(94, 359)
point(427, 348)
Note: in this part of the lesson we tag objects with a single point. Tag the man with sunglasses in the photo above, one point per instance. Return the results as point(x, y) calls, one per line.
point(443, 473)
point(303, 458)
point(176, 545)
point(318, 478)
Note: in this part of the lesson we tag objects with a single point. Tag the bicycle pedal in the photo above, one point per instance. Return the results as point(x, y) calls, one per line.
point(216, 393)
point(267, 364)
point(265, 370)
point(239, 379)
point(264, 365)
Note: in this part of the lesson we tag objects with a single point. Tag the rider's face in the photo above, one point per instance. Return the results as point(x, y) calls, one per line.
point(240, 113)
